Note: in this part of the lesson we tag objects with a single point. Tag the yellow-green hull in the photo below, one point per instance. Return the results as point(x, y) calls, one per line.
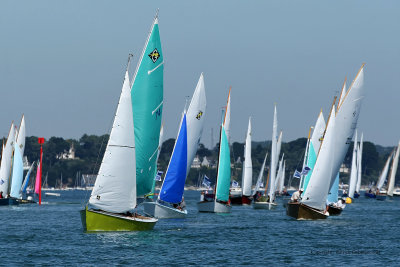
point(98, 221)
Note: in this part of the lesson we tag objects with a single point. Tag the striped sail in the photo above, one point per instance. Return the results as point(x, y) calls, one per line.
point(115, 186)
point(248, 165)
point(6, 159)
point(174, 181)
point(147, 105)
point(17, 172)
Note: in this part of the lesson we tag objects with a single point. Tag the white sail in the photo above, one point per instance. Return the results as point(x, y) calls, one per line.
point(282, 179)
point(318, 133)
point(384, 172)
point(278, 146)
point(393, 172)
point(359, 165)
point(21, 136)
point(227, 120)
point(279, 174)
point(115, 186)
point(319, 185)
point(195, 121)
point(353, 172)
point(342, 93)
point(260, 176)
point(6, 159)
point(248, 165)
point(272, 173)
point(346, 121)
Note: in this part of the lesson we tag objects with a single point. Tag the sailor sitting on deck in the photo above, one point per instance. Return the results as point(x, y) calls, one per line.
point(340, 204)
point(296, 196)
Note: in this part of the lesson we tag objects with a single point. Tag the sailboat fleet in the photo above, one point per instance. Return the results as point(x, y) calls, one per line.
point(123, 197)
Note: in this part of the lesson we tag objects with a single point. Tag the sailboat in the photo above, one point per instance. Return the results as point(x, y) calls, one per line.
point(24, 186)
point(170, 203)
point(17, 164)
point(379, 193)
point(268, 201)
point(395, 162)
point(338, 134)
point(220, 202)
point(114, 196)
point(332, 199)
point(354, 170)
point(359, 167)
point(245, 197)
point(5, 168)
point(260, 203)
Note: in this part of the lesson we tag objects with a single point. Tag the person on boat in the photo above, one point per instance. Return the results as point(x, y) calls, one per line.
point(296, 196)
point(341, 203)
point(202, 196)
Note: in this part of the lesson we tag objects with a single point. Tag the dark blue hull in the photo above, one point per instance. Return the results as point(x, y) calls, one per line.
point(369, 195)
point(8, 201)
point(356, 195)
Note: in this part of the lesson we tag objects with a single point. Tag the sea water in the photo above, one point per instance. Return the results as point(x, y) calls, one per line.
point(367, 232)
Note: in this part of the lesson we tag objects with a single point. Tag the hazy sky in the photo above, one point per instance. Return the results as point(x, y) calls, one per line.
point(62, 62)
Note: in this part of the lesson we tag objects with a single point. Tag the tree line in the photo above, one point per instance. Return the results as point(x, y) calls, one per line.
point(89, 150)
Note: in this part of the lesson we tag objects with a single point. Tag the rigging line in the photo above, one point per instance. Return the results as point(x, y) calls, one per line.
point(150, 71)
point(122, 146)
point(162, 102)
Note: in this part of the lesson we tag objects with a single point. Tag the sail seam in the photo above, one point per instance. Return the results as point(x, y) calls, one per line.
point(150, 71)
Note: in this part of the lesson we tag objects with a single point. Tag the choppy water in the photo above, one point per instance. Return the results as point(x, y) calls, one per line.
point(367, 232)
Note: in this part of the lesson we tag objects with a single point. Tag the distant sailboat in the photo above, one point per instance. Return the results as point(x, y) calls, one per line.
point(220, 203)
point(380, 194)
point(5, 169)
point(354, 169)
point(393, 171)
point(113, 199)
point(359, 167)
point(170, 203)
point(18, 165)
point(247, 174)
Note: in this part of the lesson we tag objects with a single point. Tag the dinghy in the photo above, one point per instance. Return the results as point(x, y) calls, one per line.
point(220, 202)
point(170, 203)
point(126, 169)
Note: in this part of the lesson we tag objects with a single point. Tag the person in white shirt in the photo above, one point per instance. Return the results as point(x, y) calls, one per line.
point(296, 196)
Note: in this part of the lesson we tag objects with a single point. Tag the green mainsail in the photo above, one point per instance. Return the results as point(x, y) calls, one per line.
point(224, 169)
point(147, 104)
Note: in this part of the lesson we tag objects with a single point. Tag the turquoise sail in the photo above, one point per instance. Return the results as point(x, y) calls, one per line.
point(17, 172)
point(334, 192)
point(311, 159)
point(147, 104)
point(224, 169)
point(174, 181)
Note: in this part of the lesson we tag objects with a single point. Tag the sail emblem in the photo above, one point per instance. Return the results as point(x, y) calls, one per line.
point(98, 197)
point(154, 55)
point(198, 116)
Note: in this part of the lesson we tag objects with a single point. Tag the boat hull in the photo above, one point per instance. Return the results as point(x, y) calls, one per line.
point(302, 212)
point(25, 201)
point(99, 221)
point(160, 211)
point(334, 211)
point(369, 195)
point(240, 200)
point(213, 206)
point(8, 201)
point(264, 205)
point(356, 195)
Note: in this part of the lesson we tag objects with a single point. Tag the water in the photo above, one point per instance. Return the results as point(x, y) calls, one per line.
point(51, 234)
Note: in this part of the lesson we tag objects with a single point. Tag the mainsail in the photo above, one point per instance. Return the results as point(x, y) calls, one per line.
point(353, 172)
point(147, 105)
point(6, 159)
point(248, 165)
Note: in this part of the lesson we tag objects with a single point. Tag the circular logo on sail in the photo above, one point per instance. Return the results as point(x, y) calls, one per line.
point(154, 55)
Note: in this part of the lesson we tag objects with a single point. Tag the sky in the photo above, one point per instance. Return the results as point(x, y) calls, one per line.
point(62, 63)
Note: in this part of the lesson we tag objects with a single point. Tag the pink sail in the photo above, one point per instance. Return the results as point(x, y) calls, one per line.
point(37, 183)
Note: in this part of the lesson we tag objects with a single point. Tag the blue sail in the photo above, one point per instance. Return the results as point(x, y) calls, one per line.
point(333, 193)
point(26, 181)
point(174, 181)
point(17, 172)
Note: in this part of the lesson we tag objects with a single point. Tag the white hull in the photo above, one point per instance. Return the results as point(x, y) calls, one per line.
point(264, 205)
point(213, 206)
point(159, 211)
